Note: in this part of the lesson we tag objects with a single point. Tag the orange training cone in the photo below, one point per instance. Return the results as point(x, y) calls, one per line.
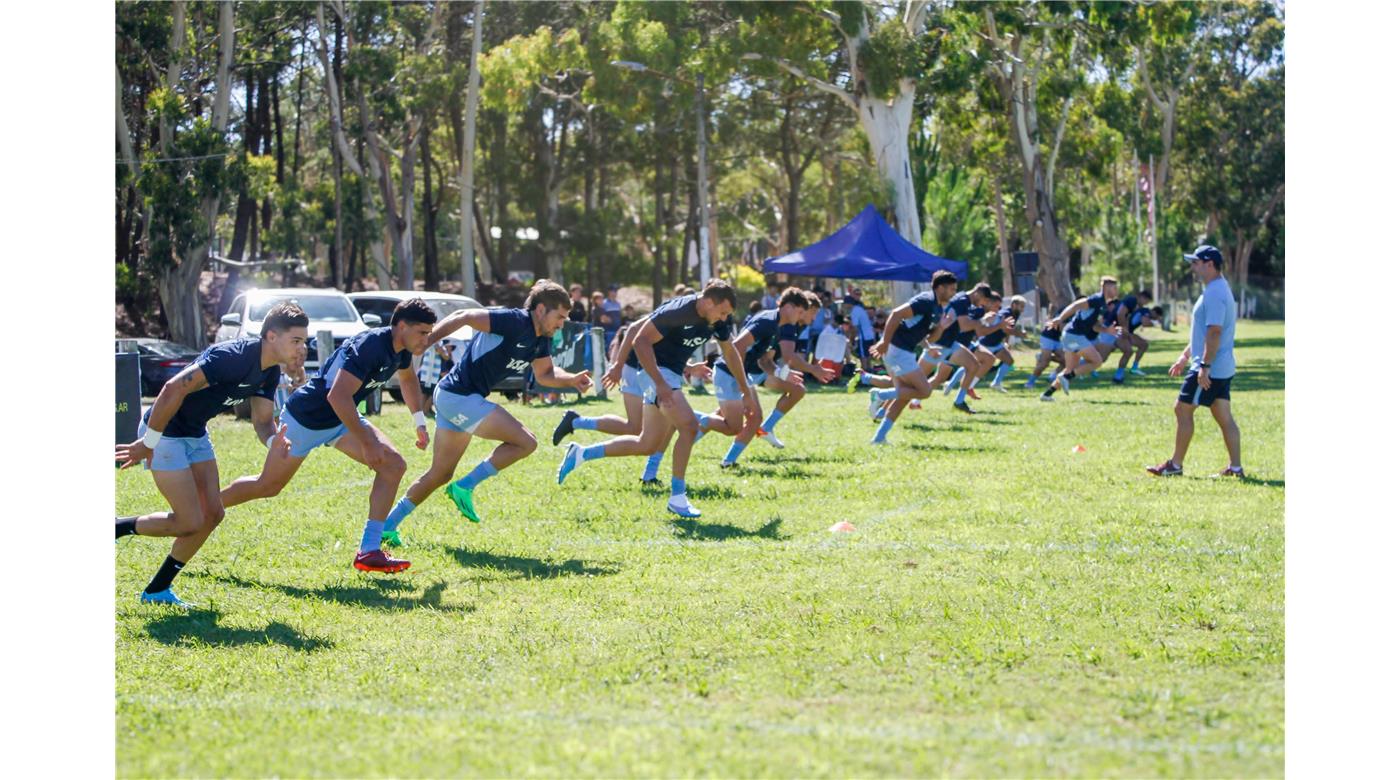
point(842, 527)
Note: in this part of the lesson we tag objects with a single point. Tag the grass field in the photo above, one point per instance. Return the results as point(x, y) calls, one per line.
point(1004, 607)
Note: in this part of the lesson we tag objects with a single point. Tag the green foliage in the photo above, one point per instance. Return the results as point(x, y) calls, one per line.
point(959, 224)
point(748, 281)
point(889, 55)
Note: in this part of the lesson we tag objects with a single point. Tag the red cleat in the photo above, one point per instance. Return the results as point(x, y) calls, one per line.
point(1229, 471)
point(973, 394)
point(376, 560)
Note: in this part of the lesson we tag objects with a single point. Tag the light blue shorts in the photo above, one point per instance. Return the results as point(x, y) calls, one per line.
point(727, 388)
point(900, 361)
point(1106, 338)
point(673, 381)
point(1073, 342)
point(175, 453)
point(632, 381)
point(461, 413)
point(994, 348)
point(304, 439)
point(948, 353)
point(1050, 345)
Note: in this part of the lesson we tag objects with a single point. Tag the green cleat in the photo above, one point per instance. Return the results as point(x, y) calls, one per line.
point(391, 539)
point(462, 497)
point(853, 383)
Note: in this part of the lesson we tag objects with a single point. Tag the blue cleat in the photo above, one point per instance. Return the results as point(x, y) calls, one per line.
point(573, 456)
point(166, 596)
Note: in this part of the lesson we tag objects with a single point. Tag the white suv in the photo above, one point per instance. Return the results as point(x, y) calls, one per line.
point(382, 303)
point(328, 309)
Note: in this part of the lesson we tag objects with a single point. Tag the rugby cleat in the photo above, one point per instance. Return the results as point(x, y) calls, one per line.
point(1165, 469)
point(914, 404)
point(392, 539)
point(651, 481)
point(948, 387)
point(1229, 471)
point(565, 426)
point(875, 404)
point(376, 560)
point(462, 498)
point(573, 456)
point(1049, 399)
point(680, 505)
point(853, 382)
point(166, 597)
point(963, 407)
point(771, 438)
point(1135, 371)
point(997, 386)
point(724, 464)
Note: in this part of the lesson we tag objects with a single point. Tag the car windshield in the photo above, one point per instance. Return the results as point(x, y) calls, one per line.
point(164, 348)
point(319, 308)
point(444, 307)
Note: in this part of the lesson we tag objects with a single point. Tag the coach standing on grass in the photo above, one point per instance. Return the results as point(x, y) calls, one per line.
point(1211, 356)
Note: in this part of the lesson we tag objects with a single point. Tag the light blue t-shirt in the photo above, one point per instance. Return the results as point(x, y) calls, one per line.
point(861, 320)
point(1216, 306)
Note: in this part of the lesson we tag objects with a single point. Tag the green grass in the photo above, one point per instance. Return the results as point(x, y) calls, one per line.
point(1004, 608)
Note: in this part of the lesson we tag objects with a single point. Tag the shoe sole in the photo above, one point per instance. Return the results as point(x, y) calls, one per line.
point(559, 433)
point(673, 511)
point(382, 569)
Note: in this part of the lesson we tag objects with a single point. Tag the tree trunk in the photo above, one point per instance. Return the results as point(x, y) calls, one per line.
point(1008, 274)
point(672, 271)
point(467, 185)
point(657, 257)
point(886, 126)
point(430, 259)
point(407, 168)
point(1054, 274)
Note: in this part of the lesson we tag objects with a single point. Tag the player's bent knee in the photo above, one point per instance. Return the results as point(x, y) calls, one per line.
point(527, 442)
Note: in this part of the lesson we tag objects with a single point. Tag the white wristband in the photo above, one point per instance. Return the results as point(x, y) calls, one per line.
point(268, 443)
point(152, 438)
point(420, 420)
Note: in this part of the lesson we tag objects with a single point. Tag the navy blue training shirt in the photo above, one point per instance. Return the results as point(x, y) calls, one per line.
point(925, 317)
point(960, 305)
point(234, 372)
point(1050, 333)
point(508, 350)
point(764, 327)
point(1084, 320)
point(996, 337)
point(965, 337)
point(682, 331)
point(368, 356)
point(1135, 319)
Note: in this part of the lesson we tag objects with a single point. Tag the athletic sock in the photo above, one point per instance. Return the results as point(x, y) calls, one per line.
point(772, 421)
point(1118, 374)
point(887, 394)
point(880, 415)
point(864, 378)
point(400, 511)
point(958, 375)
point(1002, 371)
point(591, 452)
point(165, 575)
point(677, 487)
point(373, 536)
point(653, 466)
point(884, 429)
point(975, 380)
point(1049, 391)
point(735, 450)
point(586, 424)
point(962, 396)
point(126, 526)
point(1135, 362)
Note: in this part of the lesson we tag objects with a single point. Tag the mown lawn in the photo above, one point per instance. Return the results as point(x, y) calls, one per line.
point(1004, 607)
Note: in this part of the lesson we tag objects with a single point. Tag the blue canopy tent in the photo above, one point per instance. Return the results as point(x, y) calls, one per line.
point(866, 248)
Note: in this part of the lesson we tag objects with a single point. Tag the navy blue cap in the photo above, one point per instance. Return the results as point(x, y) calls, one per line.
point(1206, 252)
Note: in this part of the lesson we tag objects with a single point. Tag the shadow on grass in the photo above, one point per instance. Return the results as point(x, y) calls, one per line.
point(201, 627)
point(1103, 402)
point(1273, 483)
point(951, 448)
point(778, 470)
point(719, 532)
point(1263, 343)
point(968, 425)
point(530, 568)
point(663, 488)
point(379, 593)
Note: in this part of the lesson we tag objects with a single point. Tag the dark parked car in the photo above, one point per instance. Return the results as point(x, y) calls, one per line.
point(160, 360)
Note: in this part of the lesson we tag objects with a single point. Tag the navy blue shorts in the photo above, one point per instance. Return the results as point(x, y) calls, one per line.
point(1191, 392)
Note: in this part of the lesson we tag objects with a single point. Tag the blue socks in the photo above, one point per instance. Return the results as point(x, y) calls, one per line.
point(400, 511)
point(482, 471)
point(962, 396)
point(373, 537)
point(677, 486)
point(702, 418)
point(1002, 371)
point(735, 450)
point(958, 375)
point(586, 424)
point(591, 452)
point(884, 429)
point(864, 378)
point(653, 466)
point(772, 420)
point(888, 394)
point(1118, 375)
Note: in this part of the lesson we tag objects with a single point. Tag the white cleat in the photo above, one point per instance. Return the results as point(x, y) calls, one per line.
point(1137, 372)
point(948, 387)
point(771, 438)
point(1049, 399)
point(875, 404)
point(997, 387)
point(680, 505)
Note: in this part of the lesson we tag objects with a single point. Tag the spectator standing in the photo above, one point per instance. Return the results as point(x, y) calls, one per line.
point(863, 329)
point(578, 307)
point(770, 299)
point(612, 314)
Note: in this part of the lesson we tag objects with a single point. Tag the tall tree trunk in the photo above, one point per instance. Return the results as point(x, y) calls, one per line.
point(886, 126)
point(467, 184)
point(672, 272)
point(657, 257)
point(430, 259)
point(1008, 275)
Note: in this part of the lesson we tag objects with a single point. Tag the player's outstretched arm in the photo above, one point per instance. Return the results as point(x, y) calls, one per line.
point(168, 401)
point(478, 319)
point(1069, 311)
point(549, 375)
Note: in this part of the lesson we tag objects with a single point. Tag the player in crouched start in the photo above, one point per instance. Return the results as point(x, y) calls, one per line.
point(322, 413)
point(506, 342)
point(175, 445)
